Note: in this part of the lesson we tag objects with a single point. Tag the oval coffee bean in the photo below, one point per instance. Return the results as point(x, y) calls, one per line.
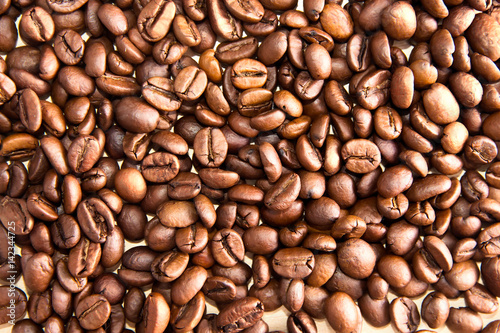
point(293, 263)
point(240, 314)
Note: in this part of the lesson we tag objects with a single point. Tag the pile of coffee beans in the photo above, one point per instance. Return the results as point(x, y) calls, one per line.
point(209, 134)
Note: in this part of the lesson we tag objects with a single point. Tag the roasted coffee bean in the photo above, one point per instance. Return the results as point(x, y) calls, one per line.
point(435, 309)
point(135, 115)
point(240, 314)
point(361, 156)
point(117, 85)
point(65, 232)
point(7, 88)
point(9, 38)
point(210, 147)
point(154, 20)
point(95, 219)
point(249, 11)
point(18, 146)
point(230, 52)
point(93, 311)
point(395, 270)
point(479, 299)
point(36, 26)
point(159, 92)
point(342, 313)
point(156, 313)
point(248, 73)
point(39, 271)
point(473, 322)
point(227, 247)
point(41, 208)
point(188, 315)
point(222, 21)
point(15, 216)
point(69, 47)
point(185, 31)
point(70, 283)
point(190, 83)
point(14, 304)
point(293, 262)
point(84, 258)
point(195, 277)
point(356, 258)
point(83, 153)
point(404, 314)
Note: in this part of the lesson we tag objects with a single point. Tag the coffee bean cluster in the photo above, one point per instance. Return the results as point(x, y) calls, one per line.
point(305, 140)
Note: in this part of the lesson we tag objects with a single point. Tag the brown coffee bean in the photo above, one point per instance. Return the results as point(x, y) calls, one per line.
point(293, 263)
point(337, 22)
point(16, 298)
point(473, 322)
point(361, 156)
point(69, 47)
point(404, 314)
point(477, 38)
point(227, 247)
point(190, 83)
point(356, 258)
point(342, 313)
point(154, 20)
point(36, 26)
point(395, 270)
point(210, 147)
point(222, 21)
point(239, 314)
point(283, 193)
point(248, 73)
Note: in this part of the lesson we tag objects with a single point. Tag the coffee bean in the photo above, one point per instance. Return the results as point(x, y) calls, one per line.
point(18, 146)
point(227, 247)
point(117, 85)
point(154, 20)
point(69, 47)
point(135, 115)
point(222, 21)
point(342, 313)
point(15, 216)
point(219, 289)
point(15, 298)
point(210, 147)
point(36, 26)
point(343, 27)
point(158, 313)
point(188, 315)
point(230, 52)
point(195, 278)
point(95, 219)
point(240, 314)
point(356, 258)
point(293, 262)
point(387, 267)
point(177, 213)
point(404, 314)
point(361, 156)
point(159, 92)
point(479, 299)
point(84, 258)
point(473, 322)
point(248, 11)
point(9, 38)
point(248, 73)
point(93, 311)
